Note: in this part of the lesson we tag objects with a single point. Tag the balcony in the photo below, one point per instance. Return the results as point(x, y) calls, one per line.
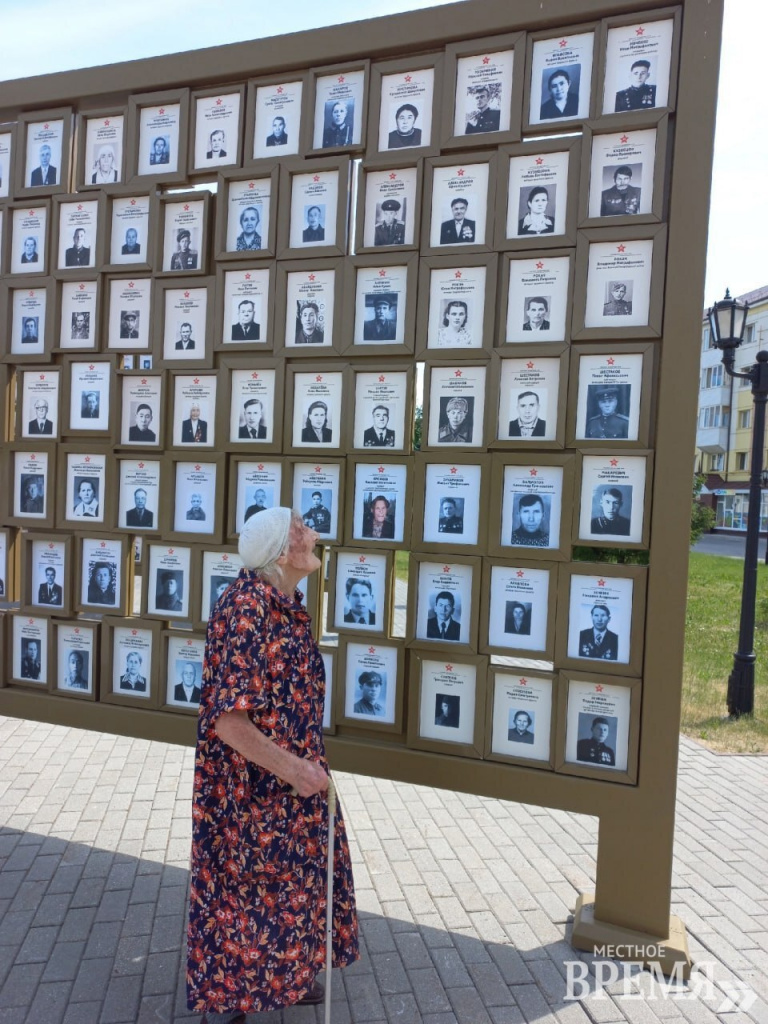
point(712, 439)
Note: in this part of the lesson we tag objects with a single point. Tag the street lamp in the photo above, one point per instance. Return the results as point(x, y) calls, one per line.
point(727, 320)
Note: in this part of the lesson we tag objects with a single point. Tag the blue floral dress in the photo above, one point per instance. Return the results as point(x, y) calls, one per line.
point(256, 935)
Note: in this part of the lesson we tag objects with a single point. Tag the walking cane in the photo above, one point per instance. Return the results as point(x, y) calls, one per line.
point(329, 900)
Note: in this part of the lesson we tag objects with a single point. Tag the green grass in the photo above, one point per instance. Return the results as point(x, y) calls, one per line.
point(711, 637)
point(401, 565)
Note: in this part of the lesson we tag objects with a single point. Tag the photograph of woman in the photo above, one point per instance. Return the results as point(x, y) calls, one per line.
point(377, 522)
point(316, 430)
point(104, 171)
point(454, 331)
point(536, 221)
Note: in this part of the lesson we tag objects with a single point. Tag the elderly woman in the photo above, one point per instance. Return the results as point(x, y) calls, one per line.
point(249, 237)
point(256, 936)
point(453, 333)
point(536, 221)
point(104, 172)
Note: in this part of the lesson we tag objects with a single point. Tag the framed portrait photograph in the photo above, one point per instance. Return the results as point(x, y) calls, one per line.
point(538, 292)
point(193, 410)
point(255, 398)
point(79, 241)
point(313, 408)
point(538, 193)
point(317, 491)
point(168, 583)
point(79, 315)
point(452, 494)
point(619, 284)
point(447, 703)
point(561, 77)
point(30, 650)
point(612, 505)
point(184, 217)
point(389, 200)
point(184, 672)
point(243, 309)
point(217, 133)
point(29, 237)
point(8, 565)
point(486, 78)
point(360, 597)
point(384, 306)
point(404, 105)
point(612, 395)
point(639, 63)
point(32, 495)
point(103, 575)
point(443, 601)
point(274, 127)
point(246, 226)
point(456, 305)
point(141, 409)
point(220, 568)
point(253, 486)
point(46, 573)
point(100, 148)
point(86, 497)
point(377, 502)
point(600, 723)
point(131, 243)
point(383, 408)
point(624, 175)
point(158, 126)
point(308, 306)
point(529, 402)
point(330, 659)
point(138, 495)
point(130, 662)
point(42, 166)
point(37, 407)
point(519, 608)
point(369, 693)
point(520, 716)
point(197, 507)
point(456, 204)
point(7, 155)
point(339, 107)
point(530, 505)
point(27, 313)
point(601, 619)
point(318, 214)
point(129, 318)
point(454, 406)
point(185, 310)
point(91, 388)
point(77, 659)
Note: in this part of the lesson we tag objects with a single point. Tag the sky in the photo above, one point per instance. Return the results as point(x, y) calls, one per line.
point(80, 33)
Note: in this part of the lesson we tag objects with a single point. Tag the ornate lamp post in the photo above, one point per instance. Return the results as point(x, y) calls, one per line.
point(727, 320)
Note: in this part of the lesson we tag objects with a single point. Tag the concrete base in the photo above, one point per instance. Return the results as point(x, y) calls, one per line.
point(620, 943)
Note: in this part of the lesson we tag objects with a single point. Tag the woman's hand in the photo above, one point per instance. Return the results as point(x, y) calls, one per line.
point(309, 778)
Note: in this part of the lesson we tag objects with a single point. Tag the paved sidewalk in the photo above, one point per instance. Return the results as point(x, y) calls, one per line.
point(465, 902)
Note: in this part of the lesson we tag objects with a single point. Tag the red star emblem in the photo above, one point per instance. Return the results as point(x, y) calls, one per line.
point(318, 469)
point(310, 277)
point(624, 138)
point(340, 78)
point(45, 126)
point(620, 248)
point(170, 551)
point(530, 364)
point(382, 378)
point(186, 295)
point(87, 458)
point(254, 375)
point(186, 206)
point(50, 545)
point(457, 275)
point(523, 682)
point(319, 378)
point(189, 643)
point(42, 376)
point(130, 284)
point(315, 177)
point(161, 110)
point(133, 202)
point(251, 184)
point(279, 90)
point(533, 472)
point(610, 360)
point(392, 176)
point(539, 265)
point(520, 574)
point(260, 466)
point(449, 668)
point(33, 456)
point(457, 373)
point(197, 467)
point(141, 465)
point(446, 568)
point(563, 43)
point(31, 295)
point(134, 632)
point(601, 583)
point(143, 380)
point(382, 273)
point(371, 650)
point(30, 621)
point(614, 462)
point(91, 366)
point(31, 213)
point(77, 629)
point(361, 558)
point(539, 161)
point(103, 544)
point(225, 558)
point(196, 380)
point(407, 78)
point(247, 277)
point(599, 688)
point(486, 60)
point(381, 469)
point(81, 287)
point(218, 102)
point(79, 206)
point(460, 172)
point(106, 123)
point(639, 31)
point(454, 469)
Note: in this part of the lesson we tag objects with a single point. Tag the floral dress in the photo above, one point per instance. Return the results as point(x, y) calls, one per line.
point(256, 935)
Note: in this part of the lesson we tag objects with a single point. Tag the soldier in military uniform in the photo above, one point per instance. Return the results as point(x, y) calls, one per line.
point(185, 258)
point(483, 118)
point(618, 306)
point(610, 522)
point(78, 254)
point(622, 197)
point(608, 424)
point(318, 518)
point(391, 231)
point(449, 522)
point(595, 750)
point(639, 96)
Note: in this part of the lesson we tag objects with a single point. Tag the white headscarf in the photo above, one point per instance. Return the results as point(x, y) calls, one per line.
point(264, 536)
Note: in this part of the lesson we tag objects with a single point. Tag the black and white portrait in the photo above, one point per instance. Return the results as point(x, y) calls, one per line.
point(278, 119)
point(561, 71)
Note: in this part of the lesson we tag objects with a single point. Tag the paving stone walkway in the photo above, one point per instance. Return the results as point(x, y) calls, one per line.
point(465, 902)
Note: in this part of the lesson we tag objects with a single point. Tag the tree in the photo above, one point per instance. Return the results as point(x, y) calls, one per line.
point(702, 516)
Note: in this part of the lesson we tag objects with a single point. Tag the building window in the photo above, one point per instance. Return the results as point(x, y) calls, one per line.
point(716, 462)
point(706, 339)
point(745, 383)
point(749, 334)
point(745, 419)
point(741, 460)
point(713, 377)
point(732, 509)
point(714, 416)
